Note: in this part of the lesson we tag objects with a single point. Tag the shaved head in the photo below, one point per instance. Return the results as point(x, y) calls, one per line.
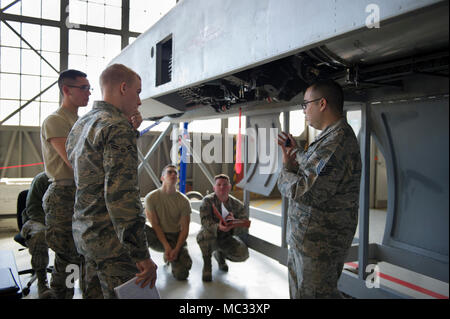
point(331, 91)
point(116, 74)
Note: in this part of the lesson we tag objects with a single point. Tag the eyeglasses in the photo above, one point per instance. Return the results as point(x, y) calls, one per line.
point(82, 87)
point(304, 105)
point(171, 172)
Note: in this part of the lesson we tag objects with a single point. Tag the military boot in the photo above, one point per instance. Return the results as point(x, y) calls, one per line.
point(220, 260)
point(44, 291)
point(207, 269)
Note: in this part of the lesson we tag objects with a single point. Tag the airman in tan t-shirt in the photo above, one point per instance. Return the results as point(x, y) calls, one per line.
point(169, 213)
point(169, 208)
point(58, 124)
point(58, 200)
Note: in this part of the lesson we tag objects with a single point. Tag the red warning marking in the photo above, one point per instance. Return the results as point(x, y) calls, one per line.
point(26, 165)
point(405, 283)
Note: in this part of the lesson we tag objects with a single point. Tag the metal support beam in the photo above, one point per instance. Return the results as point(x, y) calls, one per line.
point(223, 127)
point(27, 43)
point(125, 23)
point(246, 194)
point(268, 249)
point(144, 160)
point(64, 37)
point(353, 286)
point(363, 251)
point(32, 146)
point(29, 20)
point(62, 22)
point(154, 147)
point(198, 161)
point(285, 200)
point(20, 161)
point(10, 5)
point(149, 170)
point(183, 159)
point(3, 19)
point(8, 153)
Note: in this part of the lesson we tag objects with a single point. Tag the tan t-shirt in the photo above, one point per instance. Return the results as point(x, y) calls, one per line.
point(169, 208)
point(57, 124)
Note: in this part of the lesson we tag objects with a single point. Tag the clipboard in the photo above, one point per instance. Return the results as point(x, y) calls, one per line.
point(130, 290)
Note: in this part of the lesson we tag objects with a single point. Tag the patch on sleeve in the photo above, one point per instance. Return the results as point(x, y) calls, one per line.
point(322, 169)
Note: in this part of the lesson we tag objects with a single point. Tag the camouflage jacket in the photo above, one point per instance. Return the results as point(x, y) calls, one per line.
point(34, 210)
point(324, 190)
point(210, 222)
point(108, 216)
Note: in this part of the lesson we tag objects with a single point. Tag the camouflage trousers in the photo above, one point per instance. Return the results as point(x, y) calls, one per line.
point(180, 266)
point(314, 276)
point(34, 234)
point(102, 276)
point(58, 202)
point(231, 246)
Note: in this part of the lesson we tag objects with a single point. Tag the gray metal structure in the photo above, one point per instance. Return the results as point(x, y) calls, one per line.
point(263, 155)
point(417, 166)
point(219, 47)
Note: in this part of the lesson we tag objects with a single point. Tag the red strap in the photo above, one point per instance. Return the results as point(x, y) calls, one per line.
point(238, 165)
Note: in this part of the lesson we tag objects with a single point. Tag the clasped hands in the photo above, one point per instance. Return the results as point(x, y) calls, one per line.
point(171, 254)
point(227, 227)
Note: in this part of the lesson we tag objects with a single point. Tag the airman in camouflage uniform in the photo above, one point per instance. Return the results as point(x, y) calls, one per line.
point(322, 184)
point(108, 222)
point(58, 200)
point(215, 238)
point(33, 231)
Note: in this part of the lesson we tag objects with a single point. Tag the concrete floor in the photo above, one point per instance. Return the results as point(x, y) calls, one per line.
point(259, 277)
point(246, 280)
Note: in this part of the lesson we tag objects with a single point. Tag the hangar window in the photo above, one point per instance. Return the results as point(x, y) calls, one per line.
point(296, 122)
point(99, 13)
point(45, 9)
point(95, 33)
point(204, 126)
point(90, 52)
point(23, 74)
point(143, 14)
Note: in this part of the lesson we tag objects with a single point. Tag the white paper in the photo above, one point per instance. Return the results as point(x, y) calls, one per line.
point(130, 290)
point(225, 211)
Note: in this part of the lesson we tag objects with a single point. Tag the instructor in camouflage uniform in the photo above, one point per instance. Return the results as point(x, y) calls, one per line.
point(59, 198)
point(33, 231)
point(322, 184)
point(215, 237)
point(108, 222)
